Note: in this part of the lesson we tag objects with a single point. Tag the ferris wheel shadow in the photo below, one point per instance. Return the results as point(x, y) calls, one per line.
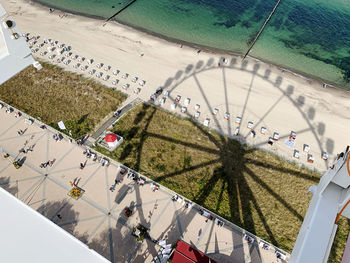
point(236, 169)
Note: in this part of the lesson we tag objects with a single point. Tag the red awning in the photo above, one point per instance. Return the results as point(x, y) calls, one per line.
point(111, 137)
point(192, 253)
point(179, 258)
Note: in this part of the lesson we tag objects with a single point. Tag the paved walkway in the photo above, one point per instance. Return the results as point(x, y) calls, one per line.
point(127, 105)
point(97, 217)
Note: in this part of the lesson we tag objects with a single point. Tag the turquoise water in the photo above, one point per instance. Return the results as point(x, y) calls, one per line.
point(312, 37)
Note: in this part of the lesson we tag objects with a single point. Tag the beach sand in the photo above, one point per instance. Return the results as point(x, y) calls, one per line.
point(264, 94)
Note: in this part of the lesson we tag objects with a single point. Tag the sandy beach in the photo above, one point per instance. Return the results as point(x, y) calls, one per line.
point(257, 92)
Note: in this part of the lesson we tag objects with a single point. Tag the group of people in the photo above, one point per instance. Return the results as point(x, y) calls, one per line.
point(57, 137)
point(48, 163)
point(112, 188)
point(28, 149)
point(21, 132)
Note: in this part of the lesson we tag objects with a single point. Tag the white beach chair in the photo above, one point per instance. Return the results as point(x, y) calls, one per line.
point(324, 156)
point(115, 72)
point(296, 154)
point(173, 106)
point(215, 111)
point(177, 98)
point(236, 133)
point(90, 61)
point(197, 106)
point(106, 68)
point(99, 65)
point(263, 130)
point(137, 90)
point(142, 82)
point(238, 120)
point(162, 101)
point(306, 148)
point(206, 122)
point(187, 101)
point(183, 109)
point(166, 93)
point(126, 86)
point(250, 125)
point(134, 79)
point(114, 82)
point(197, 114)
point(227, 116)
point(99, 74)
point(106, 77)
point(275, 136)
point(125, 75)
point(310, 158)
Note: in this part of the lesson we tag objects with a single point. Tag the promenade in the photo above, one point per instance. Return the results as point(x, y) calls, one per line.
point(97, 218)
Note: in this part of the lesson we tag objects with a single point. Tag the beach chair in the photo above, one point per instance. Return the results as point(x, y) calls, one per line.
point(292, 135)
point(142, 82)
point(99, 74)
point(227, 116)
point(126, 86)
point(115, 72)
point(162, 101)
point(306, 148)
point(270, 141)
point(296, 154)
point(28, 121)
point(236, 131)
point(177, 98)
point(197, 114)
point(187, 101)
point(166, 93)
point(263, 130)
point(106, 68)
point(183, 109)
point(106, 77)
point(173, 106)
point(238, 120)
point(215, 111)
point(137, 90)
point(125, 75)
point(196, 107)
point(90, 61)
point(134, 79)
point(275, 136)
point(250, 125)
point(310, 158)
point(99, 65)
point(206, 122)
point(114, 82)
point(324, 156)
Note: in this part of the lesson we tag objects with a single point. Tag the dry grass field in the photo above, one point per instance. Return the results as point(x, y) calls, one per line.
point(254, 189)
point(53, 94)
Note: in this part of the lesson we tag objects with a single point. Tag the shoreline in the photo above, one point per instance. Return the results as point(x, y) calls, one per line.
point(248, 90)
point(211, 50)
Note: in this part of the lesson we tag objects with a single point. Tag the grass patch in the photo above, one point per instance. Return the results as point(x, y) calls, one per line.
point(256, 190)
point(53, 94)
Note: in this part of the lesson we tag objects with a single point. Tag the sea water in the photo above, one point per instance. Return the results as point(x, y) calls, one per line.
point(311, 37)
